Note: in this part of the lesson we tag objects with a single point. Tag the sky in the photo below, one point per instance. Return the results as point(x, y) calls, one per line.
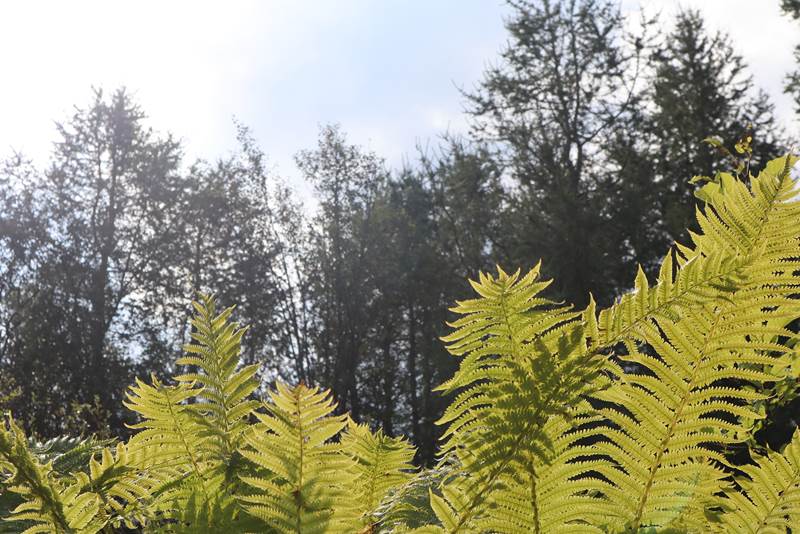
point(388, 71)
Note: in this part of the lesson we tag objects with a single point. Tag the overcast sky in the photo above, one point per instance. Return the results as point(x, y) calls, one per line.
point(387, 70)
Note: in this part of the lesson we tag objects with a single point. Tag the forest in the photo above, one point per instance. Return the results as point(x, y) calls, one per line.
point(584, 137)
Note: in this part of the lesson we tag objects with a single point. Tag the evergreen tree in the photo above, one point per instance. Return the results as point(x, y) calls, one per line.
point(102, 251)
point(565, 85)
point(239, 234)
point(700, 88)
point(96, 214)
point(347, 181)
point(792, 8)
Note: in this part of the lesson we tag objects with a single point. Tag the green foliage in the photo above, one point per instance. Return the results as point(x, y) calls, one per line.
point(382, 464)
point(306, 479)
point(50, 503)
point(519, 350)
point(561, 420)
point(770, 493)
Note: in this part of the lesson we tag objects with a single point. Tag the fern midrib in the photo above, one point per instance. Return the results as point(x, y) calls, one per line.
point(301, 463)
point(374, 474)
point(534, 497)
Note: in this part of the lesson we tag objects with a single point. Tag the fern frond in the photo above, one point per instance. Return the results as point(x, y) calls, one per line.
point(124, 489)
point(191, 433)
point(381, 464)
point(524, 361)
point(769, 500)
point(222, 406)
point(671, 407)
point(736, 222)
point(69, 454)
point(554, 492)
point(303, 482)
point(170, 445)
point(50, 504)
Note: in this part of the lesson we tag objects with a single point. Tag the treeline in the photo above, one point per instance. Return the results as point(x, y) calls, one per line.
point(584, 135)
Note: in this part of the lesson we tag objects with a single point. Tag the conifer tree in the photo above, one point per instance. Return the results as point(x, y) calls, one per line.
point(700, 88)
point(792, 8)
point(565, 84)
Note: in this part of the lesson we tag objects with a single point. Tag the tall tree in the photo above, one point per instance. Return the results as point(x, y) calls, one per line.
point(101, 254)
point(347, 181)
point(246, 238)
point(391, 251)
point(700, 88)
point(99, 211)
point(792, 8)
point(565, 84)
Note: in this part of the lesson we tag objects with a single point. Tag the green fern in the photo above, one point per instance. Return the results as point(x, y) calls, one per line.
point(770, 494)
point(525, 362)
point(381, 464)
point(303, 485)
point(65, 455)
point(554, 492)
point(50, 503)
point(194, 448)
point(222, 406)
point(562, 421)
point(670, 418)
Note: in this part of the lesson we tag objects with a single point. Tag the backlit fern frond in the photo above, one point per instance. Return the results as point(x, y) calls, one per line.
point(525, 362)
point(769, 502)
point(124, 490)
point(191, 433)
point(222, 407)
point(674, 407)
point(736, 223)
point(68, 454)
point(50, 504)
point(169, 436)
point(381, 464)
point(554, 492)
point(303, 480)
point(409, 507)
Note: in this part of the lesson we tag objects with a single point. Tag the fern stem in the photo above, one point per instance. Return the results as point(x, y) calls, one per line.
point(537, 528)
point(301, 462)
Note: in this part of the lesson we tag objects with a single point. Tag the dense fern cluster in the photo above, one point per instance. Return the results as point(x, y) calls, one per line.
point(561, 420)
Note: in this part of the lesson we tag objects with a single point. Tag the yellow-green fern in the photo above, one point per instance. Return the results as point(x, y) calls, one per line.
point(525, 362)
point(191, 433)
point(303, 482)
point(381, 464)
point(51, 505)
point(770, 496)
point(674, 405)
